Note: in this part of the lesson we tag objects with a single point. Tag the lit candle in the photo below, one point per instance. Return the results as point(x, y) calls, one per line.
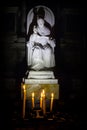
point(32, 100)
point(44, 105)
point(41, 100)
point(24, 100)
point(51, 104)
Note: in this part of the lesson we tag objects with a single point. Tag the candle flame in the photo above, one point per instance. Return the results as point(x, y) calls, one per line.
point(52, 95)
point(24, 86)
point(43, 91)
point(33, 95)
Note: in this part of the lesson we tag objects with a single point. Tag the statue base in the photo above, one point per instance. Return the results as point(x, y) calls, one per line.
point(41, 75)
point(36, 81)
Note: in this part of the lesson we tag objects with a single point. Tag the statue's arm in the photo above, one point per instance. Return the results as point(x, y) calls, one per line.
point(30, 43)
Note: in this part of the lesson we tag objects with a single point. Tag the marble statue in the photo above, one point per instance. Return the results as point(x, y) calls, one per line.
point(40, 52)
point(41, 46)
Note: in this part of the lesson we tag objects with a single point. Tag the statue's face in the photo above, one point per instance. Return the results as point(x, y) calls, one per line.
point(40, 22)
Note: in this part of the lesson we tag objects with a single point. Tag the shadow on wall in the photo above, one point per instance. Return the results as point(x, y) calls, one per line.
point(20, 71)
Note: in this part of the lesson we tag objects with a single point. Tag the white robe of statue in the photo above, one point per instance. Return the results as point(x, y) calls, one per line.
point(41, 47)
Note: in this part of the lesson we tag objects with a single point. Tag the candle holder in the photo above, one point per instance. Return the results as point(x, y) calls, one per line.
point(37, 113)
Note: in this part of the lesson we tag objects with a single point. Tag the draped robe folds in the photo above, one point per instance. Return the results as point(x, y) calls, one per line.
point(40, 52)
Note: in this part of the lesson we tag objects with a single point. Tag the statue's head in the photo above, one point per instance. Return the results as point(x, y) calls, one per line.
point(40, 22)
point(41, 12)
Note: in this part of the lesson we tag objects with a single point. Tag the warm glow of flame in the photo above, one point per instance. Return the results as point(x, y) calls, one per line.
point(24, 86)
point(41, 95)
point(33, 95)
point(43, 91)
point(52, 95)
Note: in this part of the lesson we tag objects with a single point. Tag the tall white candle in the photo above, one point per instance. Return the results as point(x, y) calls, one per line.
point(24, 100)
point(32, 100)
point(41, 99)
point(44, 104)
point(51, 104)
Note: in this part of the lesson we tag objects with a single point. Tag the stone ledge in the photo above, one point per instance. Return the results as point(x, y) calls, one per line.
point(41, 81)
point(41, 75)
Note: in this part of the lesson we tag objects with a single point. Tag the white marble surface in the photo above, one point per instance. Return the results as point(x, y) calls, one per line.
point(41, 75)
point(41, 81)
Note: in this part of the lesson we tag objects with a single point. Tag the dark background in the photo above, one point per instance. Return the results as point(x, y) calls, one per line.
point(70, 32)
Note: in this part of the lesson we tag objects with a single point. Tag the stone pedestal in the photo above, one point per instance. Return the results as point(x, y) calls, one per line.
point(36, 81)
